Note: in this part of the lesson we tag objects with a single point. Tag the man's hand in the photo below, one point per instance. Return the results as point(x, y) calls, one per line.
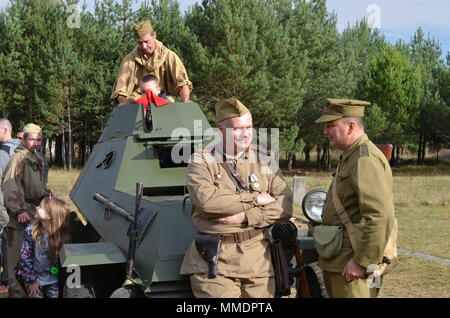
point(23, 217)
point(353, 271)
point(185, 93)
point(233, 219)
point(122, 100)
point(264, 199)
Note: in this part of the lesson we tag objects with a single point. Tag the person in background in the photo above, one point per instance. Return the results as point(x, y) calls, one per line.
point(7, 147)
point(24, 186)
point(19, 134)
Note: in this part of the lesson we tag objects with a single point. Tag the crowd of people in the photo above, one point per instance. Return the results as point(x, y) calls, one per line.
point(235, 197)
point(32, 220)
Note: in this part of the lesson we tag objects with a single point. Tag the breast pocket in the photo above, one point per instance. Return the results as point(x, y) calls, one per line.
point(343, 184)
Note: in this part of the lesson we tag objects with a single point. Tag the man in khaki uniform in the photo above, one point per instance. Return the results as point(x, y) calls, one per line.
point(364, 187)
point(150, 56)
point(24, 186)
point(244, 266)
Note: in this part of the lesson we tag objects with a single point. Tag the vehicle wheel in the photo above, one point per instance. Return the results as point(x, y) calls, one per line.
point(129, 291)
point(85, 291)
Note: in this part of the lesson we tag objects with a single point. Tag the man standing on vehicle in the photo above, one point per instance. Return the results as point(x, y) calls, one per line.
point(234, 195)
point(150, 56)
point(363, 186)
point(24, 186)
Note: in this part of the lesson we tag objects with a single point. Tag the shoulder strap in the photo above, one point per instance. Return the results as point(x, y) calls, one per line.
point(342, 213)
point(235, 176)
point(5, 148)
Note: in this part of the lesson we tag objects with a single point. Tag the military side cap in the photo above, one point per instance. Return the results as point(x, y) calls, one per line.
point(230, 108)
point(338, 108)
point(32, 128)
point(142, 29)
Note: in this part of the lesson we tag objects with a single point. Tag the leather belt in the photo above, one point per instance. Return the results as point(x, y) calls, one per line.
point(239, 237)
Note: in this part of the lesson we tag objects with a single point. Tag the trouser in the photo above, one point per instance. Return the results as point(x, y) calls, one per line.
point(3, 257)
point(229, 287)
point(15, 240)
point(48, 291)
point(4, 217)
point(338, 287)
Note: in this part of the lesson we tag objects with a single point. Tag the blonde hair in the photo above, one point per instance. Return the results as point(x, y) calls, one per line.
point(57, 232)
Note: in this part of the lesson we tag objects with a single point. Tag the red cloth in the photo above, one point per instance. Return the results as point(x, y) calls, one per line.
point(150, 97)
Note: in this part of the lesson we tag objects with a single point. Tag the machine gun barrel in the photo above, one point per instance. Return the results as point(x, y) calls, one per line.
point(113, 207)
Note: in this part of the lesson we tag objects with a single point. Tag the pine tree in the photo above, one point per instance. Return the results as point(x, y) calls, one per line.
point(393, 84)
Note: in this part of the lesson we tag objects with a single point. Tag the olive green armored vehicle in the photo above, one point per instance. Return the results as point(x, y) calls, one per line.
point(133, 149)
point(132, 194)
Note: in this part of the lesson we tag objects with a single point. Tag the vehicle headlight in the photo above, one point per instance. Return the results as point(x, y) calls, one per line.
point(312, 205)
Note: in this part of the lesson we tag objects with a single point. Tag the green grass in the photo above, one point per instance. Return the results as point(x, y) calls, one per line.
point(422, 197)
point(417, 278)
point(61, 182)
point(422, 208)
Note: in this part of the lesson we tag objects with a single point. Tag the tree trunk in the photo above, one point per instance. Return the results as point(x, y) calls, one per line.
point(50, 153)
point(319, 151)
point(81, 151)
point(419, 151)
point(424, 144)
point(69, 141)
point(397, 159)
point(59, 161)
point(64, 149)
point(307, 154)
point(392, 161)
point(289, 161)
point(328, 162)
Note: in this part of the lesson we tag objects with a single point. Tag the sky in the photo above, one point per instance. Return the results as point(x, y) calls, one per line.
point(397, 19)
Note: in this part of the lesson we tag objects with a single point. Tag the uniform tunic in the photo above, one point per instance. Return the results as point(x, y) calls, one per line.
point(24, 185)
point(163, 63)
point(214, 195)
point(365, 189)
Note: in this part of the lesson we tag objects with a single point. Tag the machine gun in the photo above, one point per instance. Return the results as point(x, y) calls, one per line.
point(307, 283)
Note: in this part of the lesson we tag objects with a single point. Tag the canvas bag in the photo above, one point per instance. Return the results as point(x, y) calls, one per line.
point(390, 257)
point(328, 240)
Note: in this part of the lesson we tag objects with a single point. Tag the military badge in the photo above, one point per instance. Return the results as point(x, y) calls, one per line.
point(254, 181)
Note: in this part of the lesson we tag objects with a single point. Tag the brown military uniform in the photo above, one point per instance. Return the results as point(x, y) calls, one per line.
point(365, 189)
point(24, 186)
point(163, 63)
point(244, 268)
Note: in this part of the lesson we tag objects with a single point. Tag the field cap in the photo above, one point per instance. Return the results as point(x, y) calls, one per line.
point(338, 108)
point(230, 108)
point(142, 29)
point(32, 128)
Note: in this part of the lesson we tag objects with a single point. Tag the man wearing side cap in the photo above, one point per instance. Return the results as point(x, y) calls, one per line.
point(233, 211)
point(24, 186)
point(150, 56)
point(364, 189)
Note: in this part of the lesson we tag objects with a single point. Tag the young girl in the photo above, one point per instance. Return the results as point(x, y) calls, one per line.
point(38, 262)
